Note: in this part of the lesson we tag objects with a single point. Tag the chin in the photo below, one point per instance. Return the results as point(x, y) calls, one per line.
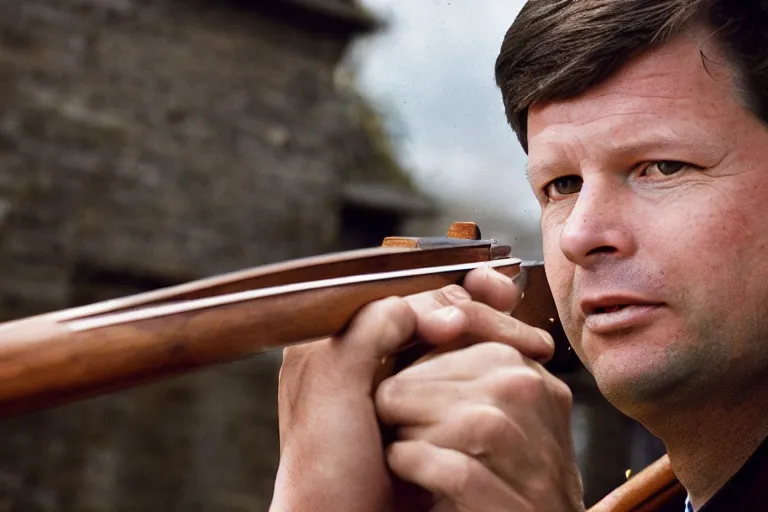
point(631, 376)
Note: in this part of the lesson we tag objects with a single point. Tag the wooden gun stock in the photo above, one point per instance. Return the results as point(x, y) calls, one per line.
point(654, 489)
point(56, 358)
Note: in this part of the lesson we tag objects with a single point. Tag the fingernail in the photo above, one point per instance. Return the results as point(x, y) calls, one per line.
point(547, 338)
point(447, 313)
point(456, 293)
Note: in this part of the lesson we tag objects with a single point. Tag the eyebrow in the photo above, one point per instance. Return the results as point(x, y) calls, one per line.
point(532, 171)
point(632, 149)
point(528, 173)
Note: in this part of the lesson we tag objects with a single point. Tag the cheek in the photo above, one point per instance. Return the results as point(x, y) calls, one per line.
point(712, 256)
point(704, 238)
point(717, 271)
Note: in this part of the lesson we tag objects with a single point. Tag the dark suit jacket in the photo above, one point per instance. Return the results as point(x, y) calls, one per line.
point(747, 490)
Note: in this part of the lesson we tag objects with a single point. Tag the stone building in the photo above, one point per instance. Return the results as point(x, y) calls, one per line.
point(145, 143)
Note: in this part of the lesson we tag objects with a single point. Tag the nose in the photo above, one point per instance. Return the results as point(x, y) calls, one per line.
point(595, 226)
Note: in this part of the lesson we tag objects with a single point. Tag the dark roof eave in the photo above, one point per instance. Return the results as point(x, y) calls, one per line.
point(322, 16)
point(384, 197)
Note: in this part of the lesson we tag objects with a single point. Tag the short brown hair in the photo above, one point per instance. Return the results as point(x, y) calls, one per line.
point(557, 49)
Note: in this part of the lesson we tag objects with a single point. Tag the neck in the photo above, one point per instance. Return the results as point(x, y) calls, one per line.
point(709, 444)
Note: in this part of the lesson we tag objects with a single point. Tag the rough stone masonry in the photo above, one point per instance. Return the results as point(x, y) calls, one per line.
point(145, 143)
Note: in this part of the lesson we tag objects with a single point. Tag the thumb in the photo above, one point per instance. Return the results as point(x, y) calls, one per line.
point(378, 330)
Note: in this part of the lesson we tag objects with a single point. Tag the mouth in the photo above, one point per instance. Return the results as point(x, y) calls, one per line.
point(613, 318)
point(607, 309)
point(608, 305)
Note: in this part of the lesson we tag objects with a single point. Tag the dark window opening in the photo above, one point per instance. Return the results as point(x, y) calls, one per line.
point(365, 227)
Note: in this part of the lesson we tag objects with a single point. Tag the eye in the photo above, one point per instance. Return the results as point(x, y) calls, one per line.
point(665, 167)
point(567, 185)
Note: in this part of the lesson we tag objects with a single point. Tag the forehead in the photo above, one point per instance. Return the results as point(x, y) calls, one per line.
point(681, 89)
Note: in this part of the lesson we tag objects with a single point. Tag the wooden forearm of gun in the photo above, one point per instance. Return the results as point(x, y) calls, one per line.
point(56, 358)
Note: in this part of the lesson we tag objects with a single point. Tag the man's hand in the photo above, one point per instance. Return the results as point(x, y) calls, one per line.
point(331, 456)
point(331, 452)
point(484, 429)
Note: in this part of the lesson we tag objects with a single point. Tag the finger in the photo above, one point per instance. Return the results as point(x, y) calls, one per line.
point(485, 284)
point(441, 310)
point(454, 475)
point(433, 300)
point(418, 401)
point(448, 330)
point(464, 364)
point(450, 318)
point(440, 321)
point(379, 329)
point(483, 432)
point(433, 391)
point(493, 288)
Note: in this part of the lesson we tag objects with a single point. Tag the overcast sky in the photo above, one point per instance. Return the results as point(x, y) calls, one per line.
point(432, 70)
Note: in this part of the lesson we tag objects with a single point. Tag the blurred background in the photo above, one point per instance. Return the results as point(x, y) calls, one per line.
point(146, 143)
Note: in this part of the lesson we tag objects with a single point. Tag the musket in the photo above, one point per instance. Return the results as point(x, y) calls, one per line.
point(654, 489)
point(56, 358)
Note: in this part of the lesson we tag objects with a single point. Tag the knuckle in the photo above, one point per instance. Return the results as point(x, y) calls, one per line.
point(452, 294)
point(399, 309)
point(487, 427)
point(514, 329)
point(293, 354)
point(294, 359)
point(500, 354)
point(387, 395)
point(288, 359)
point(531, 384)
point(518, 384)
point(392, 307)
point(562, 393)
point(436, 299)
point(392, 317)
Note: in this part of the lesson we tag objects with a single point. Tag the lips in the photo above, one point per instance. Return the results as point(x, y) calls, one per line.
point(608, 309)
point(611, 313)
point(613, 303)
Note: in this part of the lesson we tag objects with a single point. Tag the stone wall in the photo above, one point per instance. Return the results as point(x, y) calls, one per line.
point(166, 137)
point(145, 143)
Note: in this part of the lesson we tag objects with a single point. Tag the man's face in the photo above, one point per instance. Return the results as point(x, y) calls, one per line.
point(654, 195)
